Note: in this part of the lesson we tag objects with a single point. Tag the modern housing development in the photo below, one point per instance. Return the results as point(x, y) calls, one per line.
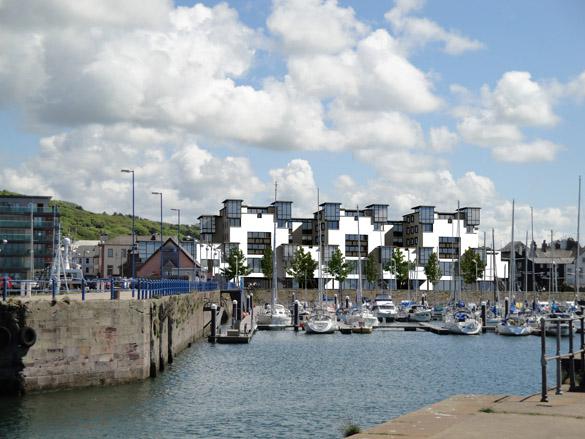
point(357, 233)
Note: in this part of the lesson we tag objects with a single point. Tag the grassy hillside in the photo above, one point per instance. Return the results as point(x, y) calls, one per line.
point(78, 223)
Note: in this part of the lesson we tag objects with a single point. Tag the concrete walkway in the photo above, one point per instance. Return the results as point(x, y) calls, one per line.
point(75, 295)
point(490, 416)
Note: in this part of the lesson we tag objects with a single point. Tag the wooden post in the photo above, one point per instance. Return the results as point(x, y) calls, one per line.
point(483, 318)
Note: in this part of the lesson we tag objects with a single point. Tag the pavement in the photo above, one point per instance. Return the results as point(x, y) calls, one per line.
point(74, 295)
point(490, 416)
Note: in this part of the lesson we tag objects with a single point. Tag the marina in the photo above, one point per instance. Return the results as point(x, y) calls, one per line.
point(272, 386)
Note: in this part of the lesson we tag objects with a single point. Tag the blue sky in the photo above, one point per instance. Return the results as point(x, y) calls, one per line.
point(227, 107)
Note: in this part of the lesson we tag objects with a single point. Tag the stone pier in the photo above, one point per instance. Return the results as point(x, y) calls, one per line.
point(93, 343)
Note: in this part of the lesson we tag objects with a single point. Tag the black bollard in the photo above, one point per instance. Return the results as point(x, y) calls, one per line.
point(335, 299)
point(252, 309)
point(346, 302)
point(83, 290)
point(296, 315)
point(213, 322)
point(422, 299)
point(248, 307)
point(506, 307)
point(294, 297)
point(483, 318)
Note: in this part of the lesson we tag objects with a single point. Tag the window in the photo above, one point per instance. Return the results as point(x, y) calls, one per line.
point(258, 242)
point(385, 254)
point(87, 260)
point(110, 270)
point(448, 247)
point(110, 253)
point(333, 225)
point(233, 208)
point(331, 211)
point(424, 254)
point(427, 228)
point(352, 248)
point(123, 253)
point(446, 268)
point(426, 214)
point(234, 222)
point(254, 264)
point(207, 224)
point(472, 216)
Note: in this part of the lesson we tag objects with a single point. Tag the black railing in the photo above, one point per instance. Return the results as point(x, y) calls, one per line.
point(556, 327)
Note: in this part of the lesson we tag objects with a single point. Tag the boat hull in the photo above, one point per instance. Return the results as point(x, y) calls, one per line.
point(516, 331)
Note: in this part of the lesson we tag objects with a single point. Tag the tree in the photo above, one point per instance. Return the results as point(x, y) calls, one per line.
point(399, 267)
point(236, 265)
point(266, 263)
point(469, 261)
point(372, 270)
point(339, 268)
point(433, 270)
point(302, 266)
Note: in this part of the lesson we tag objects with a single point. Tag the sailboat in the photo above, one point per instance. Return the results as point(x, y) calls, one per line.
point(275, 315)
point(321, 321)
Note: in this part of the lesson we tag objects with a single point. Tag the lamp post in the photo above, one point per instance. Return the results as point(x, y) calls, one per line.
point(132, 253)
point(161, 232)
point(178, 242)
point(476, 281)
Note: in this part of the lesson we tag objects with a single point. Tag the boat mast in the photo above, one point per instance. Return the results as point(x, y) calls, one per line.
point(274, 277)
point(319, 280)
point(512, 270)
point(577, 261)
point(359, 291)
point(458, 286)
point(494, 267)
point(533, 253)
point(526, 268)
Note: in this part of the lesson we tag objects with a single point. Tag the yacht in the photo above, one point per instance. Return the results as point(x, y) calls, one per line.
point(383, 308)
point(277, 317)
point(362, 317)
point(514, 325)
point(320, 322)
point(419, 313)
point(462, 321)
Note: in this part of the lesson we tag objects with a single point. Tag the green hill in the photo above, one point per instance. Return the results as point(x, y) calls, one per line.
point(78, 223)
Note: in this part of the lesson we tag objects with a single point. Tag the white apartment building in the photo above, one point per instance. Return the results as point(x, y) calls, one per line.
point(85, 254)
point(420, 233)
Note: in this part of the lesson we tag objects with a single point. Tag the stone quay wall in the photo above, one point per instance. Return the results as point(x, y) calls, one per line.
point(94, 343)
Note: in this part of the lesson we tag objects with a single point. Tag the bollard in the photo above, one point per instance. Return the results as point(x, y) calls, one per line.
point(544, 388)
point(506, 307)
point(559, 391)
point(252, 309)
point(483, 318)
point(296, 315)
point(335, 301)
point(53, 288)
point(83, 290)
point(234, 313)
point(213, 322)
point(112, 289)
point(422, 299)
point(346, 302)
point(294, 297)
point(248, 304)
point(5, 288)
point(582, 318)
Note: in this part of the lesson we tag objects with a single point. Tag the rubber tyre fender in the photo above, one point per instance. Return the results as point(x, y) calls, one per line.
point(5, 337)
point(27, 336)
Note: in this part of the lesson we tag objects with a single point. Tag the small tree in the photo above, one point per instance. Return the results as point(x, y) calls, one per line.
point(266, 263)
point(236, 265)
point(469, 261)
point(339, 268)
point(399, 267)
point(372, 270)
point(433, 270)
point(302, 266)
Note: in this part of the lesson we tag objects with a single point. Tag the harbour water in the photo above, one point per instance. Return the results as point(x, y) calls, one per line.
point(285, 385)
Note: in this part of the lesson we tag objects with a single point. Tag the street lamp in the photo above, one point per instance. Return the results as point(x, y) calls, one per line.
point(161, 232)
point(131, 171)
point(476, 281)
point(178, 242)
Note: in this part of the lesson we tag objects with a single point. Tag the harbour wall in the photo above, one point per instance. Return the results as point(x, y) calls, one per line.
point(262, 296)
point(95, 343)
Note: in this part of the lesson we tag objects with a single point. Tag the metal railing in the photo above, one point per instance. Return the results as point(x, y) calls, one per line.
point(142, 288)
point(557, 324)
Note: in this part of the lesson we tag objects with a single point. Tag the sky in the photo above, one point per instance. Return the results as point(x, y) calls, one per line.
point(398, 102)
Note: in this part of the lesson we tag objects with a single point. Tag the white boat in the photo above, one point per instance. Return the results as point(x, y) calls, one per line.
point(274, 318)
point(514, 325)
point(420, 313)
point(463, 322)
point(362, 317)
point(320, 322)
point(383, 308)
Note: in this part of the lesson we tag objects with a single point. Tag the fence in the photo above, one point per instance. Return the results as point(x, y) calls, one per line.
point(557, 326)
point(141, 288)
